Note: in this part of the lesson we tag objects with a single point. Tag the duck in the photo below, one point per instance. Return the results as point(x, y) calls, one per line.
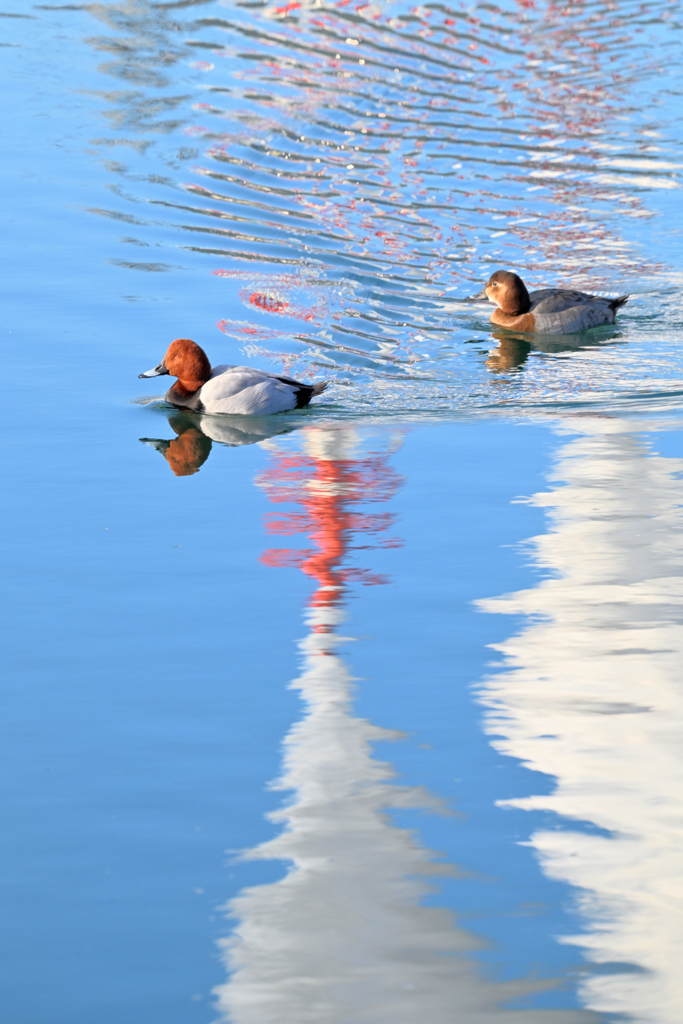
point(547, 311)
point(240, 390)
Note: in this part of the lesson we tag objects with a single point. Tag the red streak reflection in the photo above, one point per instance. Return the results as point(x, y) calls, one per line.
point(271, 303)
point(328, 483)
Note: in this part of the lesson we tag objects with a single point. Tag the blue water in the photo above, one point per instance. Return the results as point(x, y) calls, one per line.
point(369, 712)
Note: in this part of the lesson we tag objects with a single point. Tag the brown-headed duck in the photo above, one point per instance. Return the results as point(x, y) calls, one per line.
point(240, 390)
point(547, 311)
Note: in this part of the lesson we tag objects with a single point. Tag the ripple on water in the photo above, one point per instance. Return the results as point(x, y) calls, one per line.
point(354, 171)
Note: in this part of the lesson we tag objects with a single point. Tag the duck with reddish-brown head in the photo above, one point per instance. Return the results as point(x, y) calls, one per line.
point(548, 310)
point(239, 390)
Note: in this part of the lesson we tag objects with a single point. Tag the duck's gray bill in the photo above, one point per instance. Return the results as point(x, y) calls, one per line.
point(157, 371)
point(480, 295)
point(155, 442)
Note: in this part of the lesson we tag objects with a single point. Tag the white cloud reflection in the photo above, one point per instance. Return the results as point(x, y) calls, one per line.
point(593, 695)
point(344, 938)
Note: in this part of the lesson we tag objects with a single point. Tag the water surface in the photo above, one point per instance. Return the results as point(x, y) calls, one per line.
point(410, 656)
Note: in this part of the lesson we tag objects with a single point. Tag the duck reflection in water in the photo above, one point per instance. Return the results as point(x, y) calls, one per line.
point(188, 451)
point(345, 936)
point(514, 348)
point(512, 351)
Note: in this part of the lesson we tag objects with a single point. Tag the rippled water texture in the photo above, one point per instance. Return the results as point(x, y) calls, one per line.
point(455, 792)
point(354, 171)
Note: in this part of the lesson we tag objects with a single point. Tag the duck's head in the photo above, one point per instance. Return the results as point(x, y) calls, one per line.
point(186, 361)
point(508, 291)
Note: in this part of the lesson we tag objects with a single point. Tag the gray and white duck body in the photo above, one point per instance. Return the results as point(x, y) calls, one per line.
point(548, 310)
point(232, 390)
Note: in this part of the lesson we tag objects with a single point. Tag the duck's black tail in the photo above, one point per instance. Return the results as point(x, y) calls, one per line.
point(619, 301)
point(304, 392)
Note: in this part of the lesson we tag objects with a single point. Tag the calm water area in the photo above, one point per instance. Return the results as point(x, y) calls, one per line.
point(370, 713)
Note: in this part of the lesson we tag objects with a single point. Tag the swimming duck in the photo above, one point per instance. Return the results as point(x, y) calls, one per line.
point(547, 311)
point(228, 389)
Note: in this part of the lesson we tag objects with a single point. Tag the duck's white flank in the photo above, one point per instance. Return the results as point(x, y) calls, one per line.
point(242, 390)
